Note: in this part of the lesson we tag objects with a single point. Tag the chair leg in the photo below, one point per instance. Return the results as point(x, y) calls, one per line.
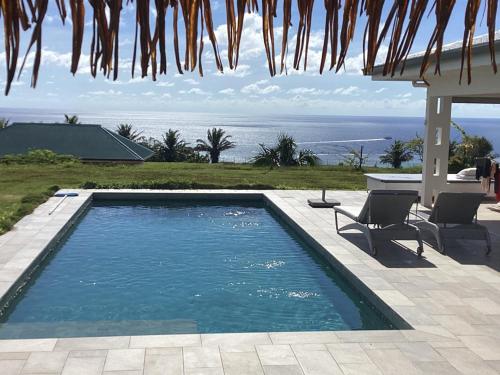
point(488, 241)
point(440, 242)
point(336, 222)
point(420, 248)
point(368, 234)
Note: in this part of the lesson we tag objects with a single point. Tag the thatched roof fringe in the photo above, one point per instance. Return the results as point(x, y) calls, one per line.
point(398, 29)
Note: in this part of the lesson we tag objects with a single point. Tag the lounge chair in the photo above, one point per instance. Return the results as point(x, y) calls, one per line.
point(454, 216)
point(387, 211)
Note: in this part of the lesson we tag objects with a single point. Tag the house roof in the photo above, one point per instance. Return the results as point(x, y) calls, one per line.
point(87, 142)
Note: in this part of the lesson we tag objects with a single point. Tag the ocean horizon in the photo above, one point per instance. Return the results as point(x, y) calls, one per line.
point(330, 136)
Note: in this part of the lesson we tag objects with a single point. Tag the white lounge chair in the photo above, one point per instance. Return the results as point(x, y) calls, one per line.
point(387, 212)
point(454, 216)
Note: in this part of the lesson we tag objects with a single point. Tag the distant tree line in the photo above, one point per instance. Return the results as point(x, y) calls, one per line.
point(173, 148)
point(462, 154)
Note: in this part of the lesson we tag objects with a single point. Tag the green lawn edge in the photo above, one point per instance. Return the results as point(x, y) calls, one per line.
point(23, 187)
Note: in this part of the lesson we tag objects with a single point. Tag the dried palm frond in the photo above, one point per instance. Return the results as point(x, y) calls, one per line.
point(61, 6)
point(78, 20)
point(417, 11)
point(373, 11)
point(470, 26)
point(305, 8)
point(14, 15)
point(287, 22)
point(268, 13)
point(231, 32)
point(331, 33)
point(40, 10)
point(443, 10)
point(396, 16)
point(491, 21)
point(347, 31)
point(395, 22)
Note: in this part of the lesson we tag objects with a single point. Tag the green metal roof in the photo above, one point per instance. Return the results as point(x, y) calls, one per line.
point(87, 142)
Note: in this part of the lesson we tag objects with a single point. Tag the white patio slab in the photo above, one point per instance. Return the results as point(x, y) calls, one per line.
point(452, 304)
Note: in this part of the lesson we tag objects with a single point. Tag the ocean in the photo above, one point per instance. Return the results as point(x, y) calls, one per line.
point(330, 137)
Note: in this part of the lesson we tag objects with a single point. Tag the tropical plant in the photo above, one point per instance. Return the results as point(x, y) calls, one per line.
point(218, 142)
point(396, 154)
point(416, 146)
point(286, 148)
point(463, 154)
point(173, 147)
point(71, 120)
point(128, 131)
point(356, 158)
point(307, 157)
point(4, 123)
point(267, 156)
point(284, 153)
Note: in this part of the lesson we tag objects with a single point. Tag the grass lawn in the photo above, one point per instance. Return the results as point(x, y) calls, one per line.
point(23, 187)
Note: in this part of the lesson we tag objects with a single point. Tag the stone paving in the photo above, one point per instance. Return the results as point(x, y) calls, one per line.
point(452, 302)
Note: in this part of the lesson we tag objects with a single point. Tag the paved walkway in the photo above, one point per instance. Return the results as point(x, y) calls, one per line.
point(452, 302)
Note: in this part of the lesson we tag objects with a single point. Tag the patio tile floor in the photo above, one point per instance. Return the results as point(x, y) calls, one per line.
point(451, 301)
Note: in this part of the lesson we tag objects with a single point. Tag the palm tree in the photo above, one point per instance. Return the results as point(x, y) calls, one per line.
point(128, 131)
point(71, 120)
point(218, 141)
point(397, 154)
point(4, 123)
point(173, 147)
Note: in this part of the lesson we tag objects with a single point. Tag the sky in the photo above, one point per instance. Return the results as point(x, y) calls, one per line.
point(249, 89)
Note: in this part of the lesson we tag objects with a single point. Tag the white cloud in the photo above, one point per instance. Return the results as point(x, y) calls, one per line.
point(195, 91)
point(301, 90)
point(382, 89)
point(129, 82)
point(308, 91)
point(148, 93)
point(242, 70)
point(165, 84)
point(109, 92)
point(260, 88)
point(227, 91)
point(349, 91)
point(191, 81)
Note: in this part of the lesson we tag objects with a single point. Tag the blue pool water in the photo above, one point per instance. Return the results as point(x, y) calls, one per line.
point(130, 268)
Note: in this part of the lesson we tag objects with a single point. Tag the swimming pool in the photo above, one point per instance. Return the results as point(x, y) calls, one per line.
point(184, 266)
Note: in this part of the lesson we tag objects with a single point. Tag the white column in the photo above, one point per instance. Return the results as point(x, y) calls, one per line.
point(436, 147)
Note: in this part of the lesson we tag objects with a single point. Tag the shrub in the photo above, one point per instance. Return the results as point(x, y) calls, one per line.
point(39, 157)
point(284, 154)
point(172, 185)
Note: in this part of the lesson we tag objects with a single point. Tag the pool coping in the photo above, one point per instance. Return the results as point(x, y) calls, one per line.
point(440, 330)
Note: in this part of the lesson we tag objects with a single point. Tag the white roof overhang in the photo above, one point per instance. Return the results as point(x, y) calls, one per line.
point(484, 87)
